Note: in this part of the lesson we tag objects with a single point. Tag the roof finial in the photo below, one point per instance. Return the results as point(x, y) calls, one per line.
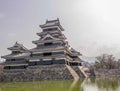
point(16, 42)
point(46, 20)
point(57, 18)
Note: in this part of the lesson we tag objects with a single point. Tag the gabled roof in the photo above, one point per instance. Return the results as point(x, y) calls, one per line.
point(49, 36)
point(50, 23)
point(52, 33)
point(53, 21)
point(18, 46)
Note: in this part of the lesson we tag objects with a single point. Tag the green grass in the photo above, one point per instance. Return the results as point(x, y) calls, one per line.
point(36, 86)
point(67, 85)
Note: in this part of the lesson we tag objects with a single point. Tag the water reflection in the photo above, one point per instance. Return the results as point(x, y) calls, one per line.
point(98, 84)
point(102, 84)
point(74, 86)
point(77, 85)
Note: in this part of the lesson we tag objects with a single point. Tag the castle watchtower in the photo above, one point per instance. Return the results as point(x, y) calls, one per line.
point(16, 60)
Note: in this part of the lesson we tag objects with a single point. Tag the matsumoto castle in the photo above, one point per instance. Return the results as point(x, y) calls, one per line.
point(51, 48)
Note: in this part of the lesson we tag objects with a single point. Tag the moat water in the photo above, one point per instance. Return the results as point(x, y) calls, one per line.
point(98, 84)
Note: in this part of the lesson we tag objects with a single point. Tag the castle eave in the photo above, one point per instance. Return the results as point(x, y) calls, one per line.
point(51, 32)
point(46, 41)
point(47, 49)
point(16, 56)
point(15, 64)
point(52, 25)
point(46, 57)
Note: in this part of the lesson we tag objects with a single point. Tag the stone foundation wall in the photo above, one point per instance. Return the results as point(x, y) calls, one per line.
point(1, 68)
point(37, 73)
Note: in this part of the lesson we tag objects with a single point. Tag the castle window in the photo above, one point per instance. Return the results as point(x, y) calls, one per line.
point(15, 52)
point(48, 44)
point(47, 54)
point(12, 59)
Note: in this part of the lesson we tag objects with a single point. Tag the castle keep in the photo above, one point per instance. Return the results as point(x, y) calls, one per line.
point(52, 48)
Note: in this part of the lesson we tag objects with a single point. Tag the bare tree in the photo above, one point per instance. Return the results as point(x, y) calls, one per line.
point(106, 62)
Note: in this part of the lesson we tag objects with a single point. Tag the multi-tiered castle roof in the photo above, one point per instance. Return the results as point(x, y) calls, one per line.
point(17, 57)
point(51, 48)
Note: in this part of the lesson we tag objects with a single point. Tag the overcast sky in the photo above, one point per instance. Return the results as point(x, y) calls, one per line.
point(92, 27)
